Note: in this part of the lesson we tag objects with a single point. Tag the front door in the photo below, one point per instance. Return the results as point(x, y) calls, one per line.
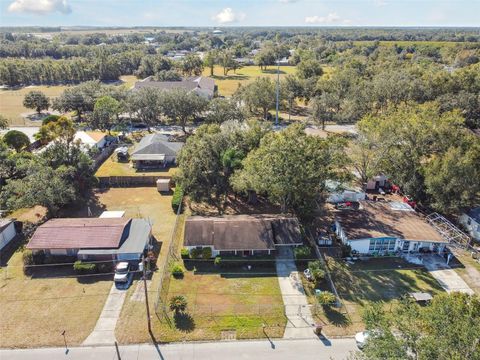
point(246, 252)
point(406, 245)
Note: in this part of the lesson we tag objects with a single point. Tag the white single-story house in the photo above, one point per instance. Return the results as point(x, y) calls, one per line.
point(380, 228)
point(471, 221)
point(7, 232)
point(242, 234)
point(91, 139)
point(107, 238)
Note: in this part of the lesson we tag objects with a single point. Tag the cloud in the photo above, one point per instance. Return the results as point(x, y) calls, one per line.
point(227, 16)
point(287, 1)
point(40, 6)
point(331, 18)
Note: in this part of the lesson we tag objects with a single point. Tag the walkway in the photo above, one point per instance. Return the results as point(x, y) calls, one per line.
point(448, 278)
point(104, 331)
point(299, 318)
point(231, 350)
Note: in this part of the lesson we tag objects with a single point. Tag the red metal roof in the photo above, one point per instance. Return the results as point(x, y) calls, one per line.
point(79, 233)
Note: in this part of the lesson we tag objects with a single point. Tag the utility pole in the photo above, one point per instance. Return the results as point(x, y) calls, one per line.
point(278, 83)
point(146, 293)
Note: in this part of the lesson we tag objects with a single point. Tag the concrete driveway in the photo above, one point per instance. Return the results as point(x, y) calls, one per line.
point(447, 278)
point(300, 322)
point(104, 331)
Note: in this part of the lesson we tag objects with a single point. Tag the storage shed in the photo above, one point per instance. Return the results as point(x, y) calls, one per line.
point(163, 185)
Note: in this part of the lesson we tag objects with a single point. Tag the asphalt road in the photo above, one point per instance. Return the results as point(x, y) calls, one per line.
point(244, 350)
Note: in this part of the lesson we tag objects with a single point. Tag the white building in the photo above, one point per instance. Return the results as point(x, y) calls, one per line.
point(471, 221)
point(7, 232)
point(381, 228)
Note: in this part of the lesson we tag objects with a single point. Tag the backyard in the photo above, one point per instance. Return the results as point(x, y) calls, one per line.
point(377, 279)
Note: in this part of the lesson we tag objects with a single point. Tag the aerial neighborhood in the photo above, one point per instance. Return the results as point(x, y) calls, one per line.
point(167, 185)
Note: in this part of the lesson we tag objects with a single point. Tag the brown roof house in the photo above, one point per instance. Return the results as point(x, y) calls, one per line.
point(200, 85)
point(93, 238)
point(380, 228)
point(242, 234)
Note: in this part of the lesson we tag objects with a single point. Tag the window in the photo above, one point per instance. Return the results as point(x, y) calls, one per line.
point(382, 245)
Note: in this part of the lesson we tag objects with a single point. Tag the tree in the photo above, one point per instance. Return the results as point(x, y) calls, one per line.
point(80, 99)
point(41, 186)
point(61, 128)
point(292, 88)
point(291, 168)
point(16, 140)
point(259, 94)
point(181, 106)
point(445, 329)
point(226, 61)
point(105, 113)
point(3, 122)
point(323, 108)
point(36, 100)
point(191, 65)
point(220, 110)
point(144, 104)
point(209, 60)
point(178, 303)
point(309, 68)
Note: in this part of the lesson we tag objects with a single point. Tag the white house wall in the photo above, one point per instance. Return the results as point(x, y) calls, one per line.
point(7, 235)
point(360, 246)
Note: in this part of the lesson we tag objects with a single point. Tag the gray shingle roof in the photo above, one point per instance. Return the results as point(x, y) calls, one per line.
point(155, 144)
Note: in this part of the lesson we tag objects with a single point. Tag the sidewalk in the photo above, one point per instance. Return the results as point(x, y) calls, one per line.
point(300, 322)
point(104, 331)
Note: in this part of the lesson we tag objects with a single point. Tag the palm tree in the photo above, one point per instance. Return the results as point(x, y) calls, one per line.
point(178, 303)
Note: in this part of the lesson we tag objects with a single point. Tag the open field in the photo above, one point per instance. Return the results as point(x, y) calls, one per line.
point(227, 85)
point(11, 101)
point(377, 279)
point(111, 167)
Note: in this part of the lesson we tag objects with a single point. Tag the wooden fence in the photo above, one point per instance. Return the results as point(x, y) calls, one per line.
point(129, 181)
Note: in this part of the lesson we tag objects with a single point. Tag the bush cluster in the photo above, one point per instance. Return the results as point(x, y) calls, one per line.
point(177, 198)
point(185, 253)
point(84, 268)
point(177, 270)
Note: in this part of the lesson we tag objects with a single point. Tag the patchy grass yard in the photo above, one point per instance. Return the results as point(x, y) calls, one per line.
point(227, 85)
point(34, 311)
point(111, 167)
point(377, 279)
point(11, 101)
point(468, 269)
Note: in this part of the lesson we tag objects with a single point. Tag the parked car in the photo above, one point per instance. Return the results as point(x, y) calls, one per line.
point(308, 274)
point(361, 339)
point(121, 272)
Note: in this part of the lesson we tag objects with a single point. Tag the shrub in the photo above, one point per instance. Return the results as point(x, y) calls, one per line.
point(27, 257)
point(302, 252)
point(313, 265)
point(177, 198)
point(217, 261)
point(50, 118)
point(177, 270)
point(318, 275)
point(178, 303)
point(196, 253)
point(346, 250)
point(185, 253)
point(83, 268)
point(105, 267)
point(206, 253)
point(326, 298)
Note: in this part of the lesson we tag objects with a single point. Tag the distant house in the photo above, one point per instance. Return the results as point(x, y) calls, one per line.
point(382, 228)
point(217, 32)
point(92, 238)
point(242, 234)
point(471, 221)
point(92, 139)
point(203, 86)
point(155, 151)
point(7, 232)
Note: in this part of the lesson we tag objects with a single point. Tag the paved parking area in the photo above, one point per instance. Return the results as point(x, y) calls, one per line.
point(446, 277)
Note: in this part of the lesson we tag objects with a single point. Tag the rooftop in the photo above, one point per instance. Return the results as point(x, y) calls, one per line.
point(155, 147)
point(242, 232)
point(475, 214)
point(386, 219)
point(204, 86)
point(4, 223)
point(78, 233)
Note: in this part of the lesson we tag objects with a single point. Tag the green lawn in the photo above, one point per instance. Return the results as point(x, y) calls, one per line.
point(377, 279)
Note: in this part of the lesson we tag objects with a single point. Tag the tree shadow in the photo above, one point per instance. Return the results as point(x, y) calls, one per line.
point(184, 322)
point(335, 317)
point(273, 71)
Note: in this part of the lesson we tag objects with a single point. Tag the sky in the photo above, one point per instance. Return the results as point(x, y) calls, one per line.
point(240, 12)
